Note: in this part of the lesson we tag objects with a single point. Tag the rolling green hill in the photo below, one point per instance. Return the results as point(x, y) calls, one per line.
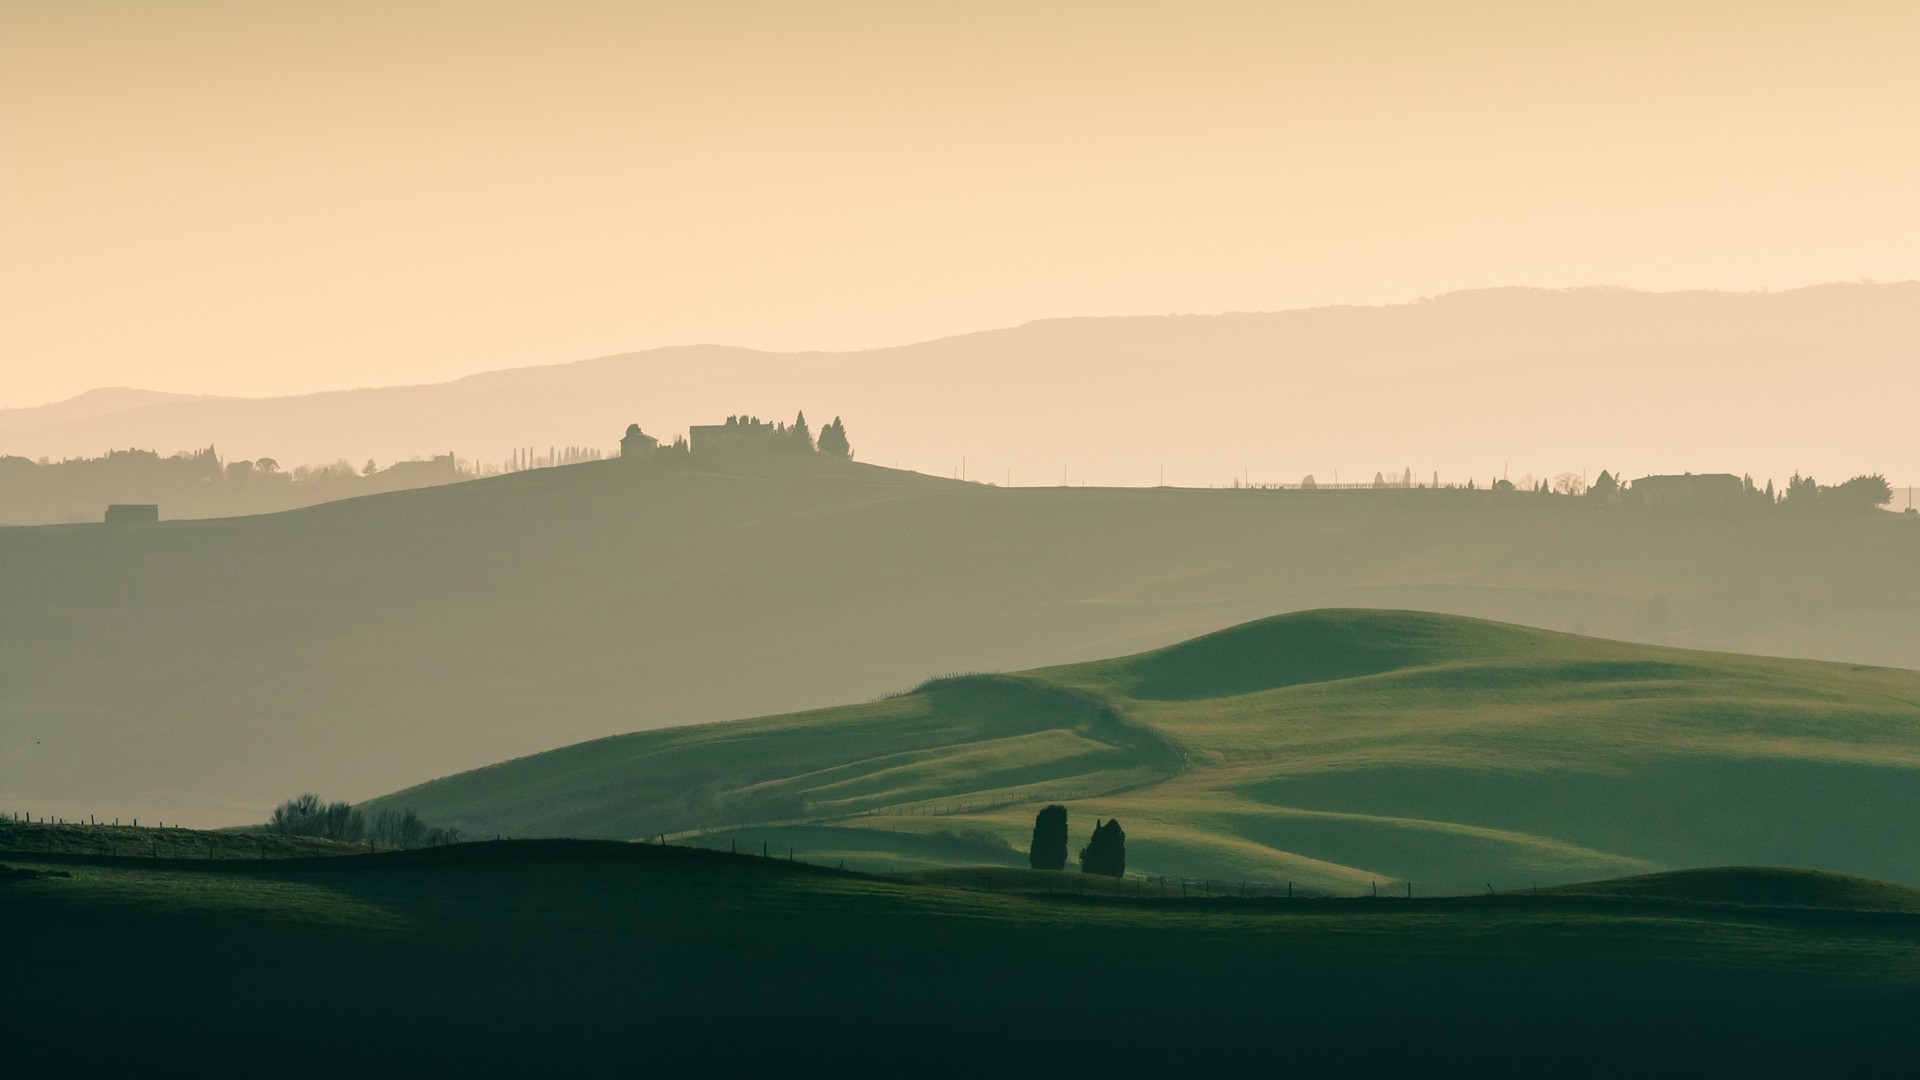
point(553, 957)
point(202, 671)
point(1334, 749)
point(1751, 886)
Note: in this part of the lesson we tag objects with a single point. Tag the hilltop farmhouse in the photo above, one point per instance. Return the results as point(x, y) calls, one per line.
point(636, 443)
point(744, 433)
point(737, 431)
point(1688, 491)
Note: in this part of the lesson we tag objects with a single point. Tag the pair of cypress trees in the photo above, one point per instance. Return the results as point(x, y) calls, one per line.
point(1105, 853)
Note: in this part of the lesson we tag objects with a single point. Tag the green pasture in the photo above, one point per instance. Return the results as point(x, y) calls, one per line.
point(1338, 750)
point(203, 671)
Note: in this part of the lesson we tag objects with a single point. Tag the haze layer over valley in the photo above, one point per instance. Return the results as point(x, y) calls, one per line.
point(201, 671)
point(1300, 538)
point(1521, 381)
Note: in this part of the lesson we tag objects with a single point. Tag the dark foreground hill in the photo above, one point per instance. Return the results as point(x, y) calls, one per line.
point(550, 958)
point(203, 671)
point(1333, 749)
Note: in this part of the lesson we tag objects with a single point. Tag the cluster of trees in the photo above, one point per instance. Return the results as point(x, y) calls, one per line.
point(528, 457)
point(1105, 853)
point(194, 483)
point(1868, 492)
point(833, 440)
point(797, 436)
point(1801, 494)
point(207, 467)
point(308, 815)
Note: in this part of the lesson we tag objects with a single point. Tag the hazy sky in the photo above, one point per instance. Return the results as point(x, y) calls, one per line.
point(257, 198)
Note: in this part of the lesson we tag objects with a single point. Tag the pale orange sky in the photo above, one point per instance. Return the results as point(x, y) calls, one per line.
point(262, 198)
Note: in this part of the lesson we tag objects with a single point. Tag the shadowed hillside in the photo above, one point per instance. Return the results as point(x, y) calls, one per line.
point(1750, 886)
point(204, 671)
point(745, 964)
point(1328, 748)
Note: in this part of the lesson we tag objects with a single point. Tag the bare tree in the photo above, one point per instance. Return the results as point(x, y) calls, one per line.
point(299, 816)
point(399, 828)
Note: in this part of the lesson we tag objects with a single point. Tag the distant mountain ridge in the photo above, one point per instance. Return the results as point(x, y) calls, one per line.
point(94, 404)
point(1542, 380)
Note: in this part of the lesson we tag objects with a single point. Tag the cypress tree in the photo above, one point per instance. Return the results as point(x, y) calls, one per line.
point(833, 440)
point(1049, 848)
point(1106, 852)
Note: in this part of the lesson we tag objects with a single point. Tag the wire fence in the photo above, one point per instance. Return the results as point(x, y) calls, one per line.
point(23, 834)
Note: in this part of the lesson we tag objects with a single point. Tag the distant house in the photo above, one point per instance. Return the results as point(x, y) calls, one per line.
point(636, 443)
point(438, 469)
point(737, 431)
point(1688, 491)
point(133, 514)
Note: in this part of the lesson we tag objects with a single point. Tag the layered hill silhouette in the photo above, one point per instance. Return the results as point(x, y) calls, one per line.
point(749, 964)
point(202, 671)
point(1329, 748)
point(1544, 379)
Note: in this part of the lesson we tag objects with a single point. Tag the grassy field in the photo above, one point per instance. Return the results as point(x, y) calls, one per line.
point(203, 671)
point(575, 955)
point(1341, 751)
point(157, 841)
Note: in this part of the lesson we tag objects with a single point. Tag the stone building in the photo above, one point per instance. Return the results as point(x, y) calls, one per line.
point(636, 443)
point(1704, 491)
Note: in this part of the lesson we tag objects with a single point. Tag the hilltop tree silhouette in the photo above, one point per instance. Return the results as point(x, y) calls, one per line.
point(1801, 492)
point(1106, 853)
point(1860, 493)
point(1049, 848)
point(833, 440)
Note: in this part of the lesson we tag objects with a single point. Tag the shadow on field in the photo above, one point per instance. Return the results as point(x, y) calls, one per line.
point(551, 956)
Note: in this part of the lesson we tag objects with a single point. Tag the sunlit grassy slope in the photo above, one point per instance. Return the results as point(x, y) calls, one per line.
point(1334, 749)
point(562, 957)
point(203, 671)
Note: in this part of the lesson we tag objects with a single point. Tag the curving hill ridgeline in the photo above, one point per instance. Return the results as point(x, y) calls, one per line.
point(202, 671)
point(1333, 749)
